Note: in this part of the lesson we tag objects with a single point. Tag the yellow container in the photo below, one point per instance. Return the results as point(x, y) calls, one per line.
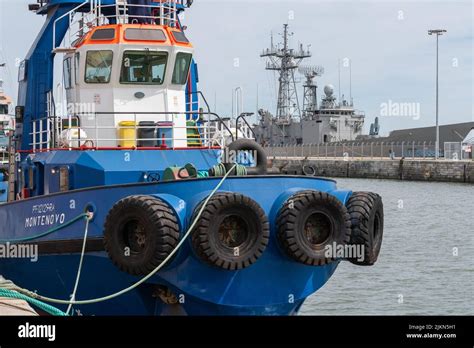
point(127, 134)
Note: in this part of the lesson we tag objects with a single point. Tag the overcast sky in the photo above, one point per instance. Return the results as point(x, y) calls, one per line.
point(393, 58)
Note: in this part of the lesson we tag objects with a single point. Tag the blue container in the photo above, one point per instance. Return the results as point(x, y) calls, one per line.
point(3, 191)
point(164, 134)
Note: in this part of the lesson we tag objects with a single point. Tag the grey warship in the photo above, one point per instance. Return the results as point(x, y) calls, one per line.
point(331, 121)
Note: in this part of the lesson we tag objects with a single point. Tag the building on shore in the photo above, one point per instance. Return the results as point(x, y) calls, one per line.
point(447, 133)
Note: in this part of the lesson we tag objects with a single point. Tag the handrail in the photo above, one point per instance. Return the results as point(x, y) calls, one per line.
point(203, 98)
point(162, 12)
point(41, 132)
point(242, 116)
point(68, 14)
point(162, 113)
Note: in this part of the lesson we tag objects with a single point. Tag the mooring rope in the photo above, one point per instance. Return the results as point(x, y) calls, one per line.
point(6, 293)
point(72, 301)
point(79, 269)
point(47, 233)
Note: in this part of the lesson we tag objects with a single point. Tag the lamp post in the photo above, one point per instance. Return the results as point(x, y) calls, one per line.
point(438, 33)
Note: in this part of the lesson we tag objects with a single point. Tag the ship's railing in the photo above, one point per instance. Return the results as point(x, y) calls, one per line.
point(375, 150)
point(52, 132)
point(245, 130)
point(3, 156)
point(93, 13)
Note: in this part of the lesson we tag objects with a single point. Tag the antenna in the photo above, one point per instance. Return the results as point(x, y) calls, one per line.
point(310, 99)
point(257, 100)
point(339, 71)
point(215, 101)
point(350, 81)
point(285, 61)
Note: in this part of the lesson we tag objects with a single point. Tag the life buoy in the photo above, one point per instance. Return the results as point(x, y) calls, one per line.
point(367, 222)
point(250, 145)
point(308, 170)
point(232, 232)
point(139, 233)
point(310, 221)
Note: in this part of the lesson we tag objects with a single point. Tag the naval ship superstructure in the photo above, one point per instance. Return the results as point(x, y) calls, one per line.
point(333, 121)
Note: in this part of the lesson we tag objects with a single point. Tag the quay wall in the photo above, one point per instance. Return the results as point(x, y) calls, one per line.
point(397, 169)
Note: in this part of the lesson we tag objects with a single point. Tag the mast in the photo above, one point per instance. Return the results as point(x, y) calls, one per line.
point(339, 72)
point(310, 96)
point(350, 82)
point(286, 61)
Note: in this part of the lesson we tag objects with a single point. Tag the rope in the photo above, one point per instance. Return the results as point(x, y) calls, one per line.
point(137, 284)
point(220, 170)
point(51, 231)
point(241, 170)
point(41, 305)
point(79, 270)
point(203, 174)
point(9, 289)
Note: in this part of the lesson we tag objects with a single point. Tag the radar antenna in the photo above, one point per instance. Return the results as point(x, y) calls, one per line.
point(310, 99)
point(286, 61)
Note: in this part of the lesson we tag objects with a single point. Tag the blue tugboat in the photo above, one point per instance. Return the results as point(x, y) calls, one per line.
point(136, 204)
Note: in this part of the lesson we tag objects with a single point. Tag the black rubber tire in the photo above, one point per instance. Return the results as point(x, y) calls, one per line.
point(293, 216)
point(205, 237)
point(160, 234)
point(367, 220)
point(250, 145)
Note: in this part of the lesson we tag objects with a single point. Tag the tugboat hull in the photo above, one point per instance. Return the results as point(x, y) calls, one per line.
point(273, 285)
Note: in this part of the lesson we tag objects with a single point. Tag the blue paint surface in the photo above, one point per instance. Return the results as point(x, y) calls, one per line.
point(265, 287)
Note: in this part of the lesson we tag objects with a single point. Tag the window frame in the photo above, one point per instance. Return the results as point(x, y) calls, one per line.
point(111, 67)
point(144, 83)
point(188, 69)
point(77, 65)
point(67, 64)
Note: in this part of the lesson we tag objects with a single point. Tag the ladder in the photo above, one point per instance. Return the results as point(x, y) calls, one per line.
point(11, 169)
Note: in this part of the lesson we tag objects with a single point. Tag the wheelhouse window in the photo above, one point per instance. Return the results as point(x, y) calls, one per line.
point(76, 67)
point(67, 73)
point(181, 68)
point(98, 66)
point(144, 67)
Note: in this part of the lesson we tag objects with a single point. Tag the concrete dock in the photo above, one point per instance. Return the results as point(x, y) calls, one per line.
point(13, 307)
point(397, 169)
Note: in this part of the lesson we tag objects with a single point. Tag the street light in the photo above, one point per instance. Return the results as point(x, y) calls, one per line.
point(438, 33)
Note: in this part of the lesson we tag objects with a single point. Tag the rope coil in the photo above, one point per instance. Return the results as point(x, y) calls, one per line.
point(220, 170)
